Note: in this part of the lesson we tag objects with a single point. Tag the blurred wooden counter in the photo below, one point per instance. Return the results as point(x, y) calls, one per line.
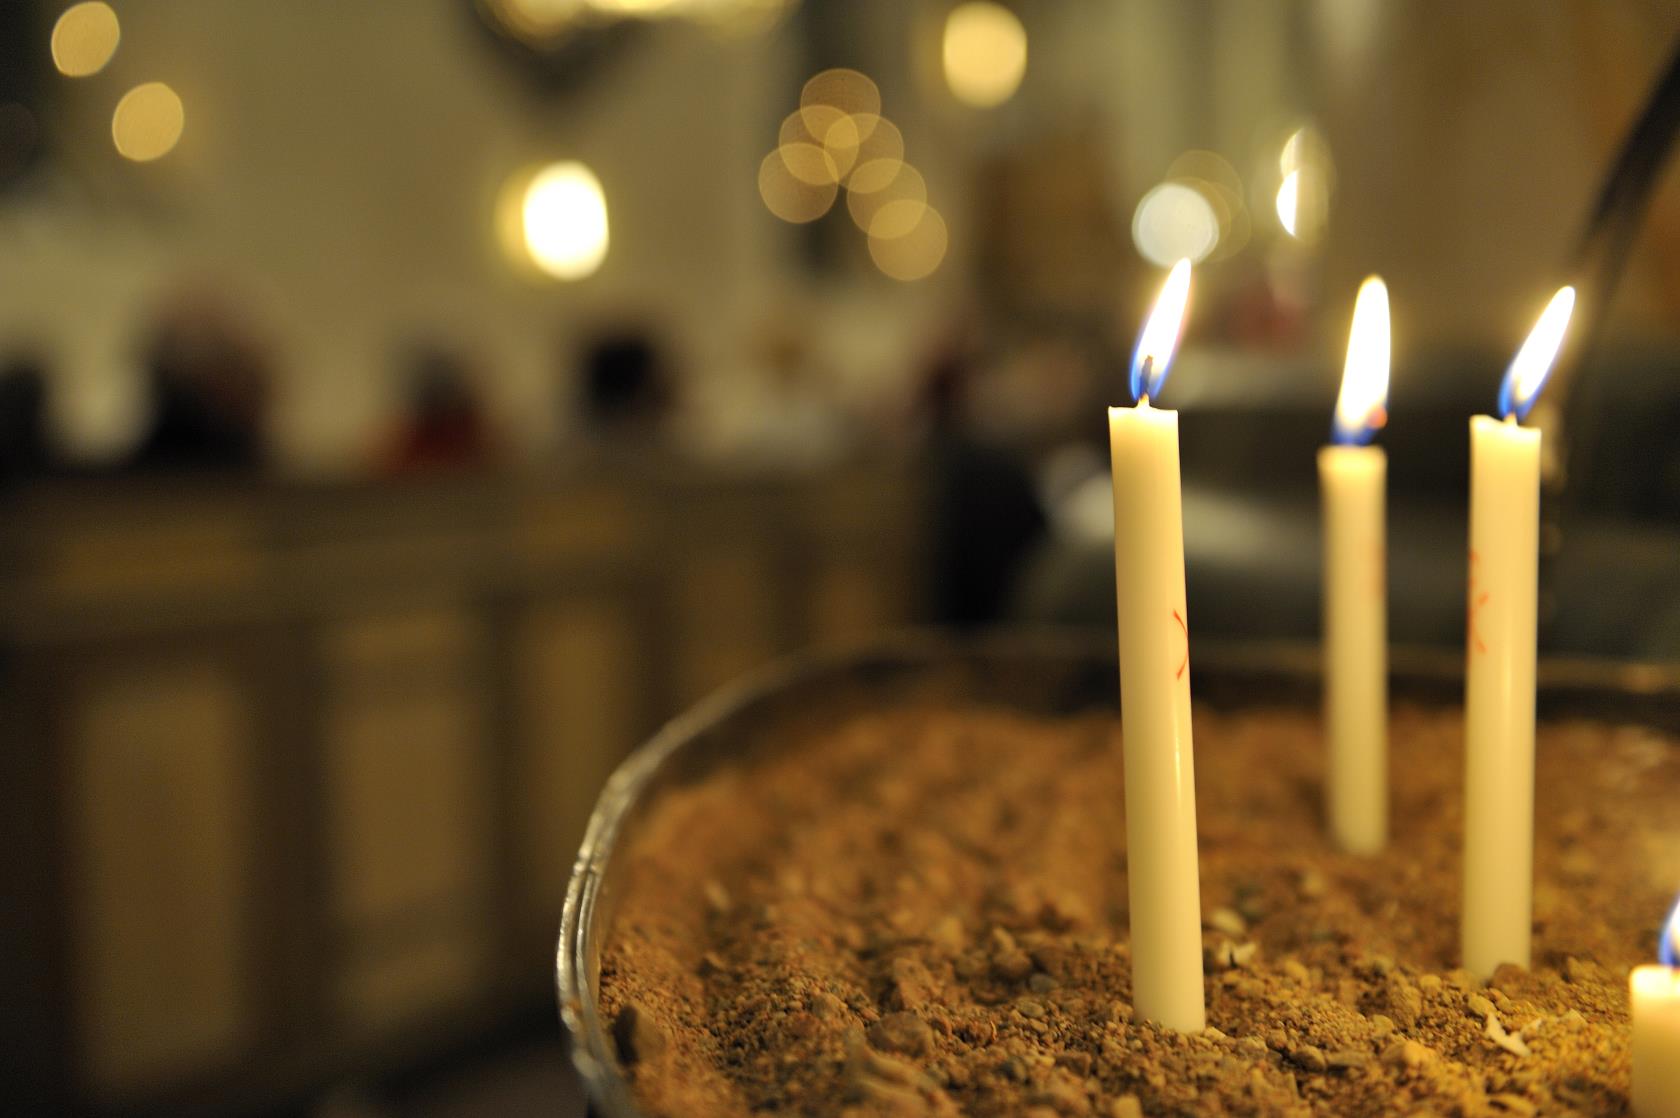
point(295, 776)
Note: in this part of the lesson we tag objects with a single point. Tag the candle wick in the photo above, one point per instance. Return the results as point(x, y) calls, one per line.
point(1511, 418)
point(1143, 401)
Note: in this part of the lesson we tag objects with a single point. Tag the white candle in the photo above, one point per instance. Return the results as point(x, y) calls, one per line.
point(1654, 999)
point(1162, 873)
point(1351, 481)
point(1500, 654)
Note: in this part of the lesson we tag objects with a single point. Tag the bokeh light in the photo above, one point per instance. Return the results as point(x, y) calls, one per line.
point(880, 153)
point(537, 20)
point(1304, 189)
point(147, 123)
point(84, 39)
point(985, 53)
point(789, 197)
point(917, 252)
point(1289, 202)
point(563, 220)
point(823, 155)
point(1175, 221)
point(844, 91)
point(906, 185)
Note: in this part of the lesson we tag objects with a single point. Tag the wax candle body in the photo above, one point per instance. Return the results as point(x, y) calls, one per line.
point(1162, 872)
point(1499, 695)
point(1351, 485)
point(1654, 996)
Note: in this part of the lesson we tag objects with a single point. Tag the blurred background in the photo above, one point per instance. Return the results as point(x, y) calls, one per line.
point(404, 409)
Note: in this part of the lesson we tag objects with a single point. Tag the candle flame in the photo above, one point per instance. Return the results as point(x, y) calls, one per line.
point(1362, 405)
point(1668, 944)
point(1159, 339)
point(1533, 362)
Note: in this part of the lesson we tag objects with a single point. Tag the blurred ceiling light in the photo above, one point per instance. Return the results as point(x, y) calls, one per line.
point(638, 8)
point(985, 53)
point(1173, 222)
point(537, 19)
point(848, 91)
point(1289, 202)
point(787, 196)
point(917, 252)
point(84, 39)
point(563, 216)
point(906, 185)
point(147, 122)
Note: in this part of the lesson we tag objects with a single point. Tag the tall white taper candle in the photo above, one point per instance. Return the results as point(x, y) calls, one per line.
point(1352, 481)
point(1654, 998)
point(1500, 661)
point(1164, 880)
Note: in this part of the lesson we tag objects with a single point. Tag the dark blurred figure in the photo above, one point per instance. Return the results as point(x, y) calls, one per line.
point(23, 399)
point(443, 425)
point(208, 385)
point(986, 514)
point(626, 389)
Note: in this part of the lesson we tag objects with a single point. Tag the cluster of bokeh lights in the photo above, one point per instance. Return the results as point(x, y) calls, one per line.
point(837, 140)
point(148, 119)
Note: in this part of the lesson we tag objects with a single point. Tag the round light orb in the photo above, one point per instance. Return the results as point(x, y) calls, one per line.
point(985, 52)
point(84, 39)
point(147, 122)
point(911, 254)
point(1174, 222)
point(789, 197)
point(564, 218)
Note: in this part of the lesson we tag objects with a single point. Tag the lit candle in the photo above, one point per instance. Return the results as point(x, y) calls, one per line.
point(1163, 878)
point(1351, 480)
point(1499, 653)
point(1654, 998)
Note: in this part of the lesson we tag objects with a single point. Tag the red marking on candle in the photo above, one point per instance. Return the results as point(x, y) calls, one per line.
point(1185, 629)
point(1477, 601)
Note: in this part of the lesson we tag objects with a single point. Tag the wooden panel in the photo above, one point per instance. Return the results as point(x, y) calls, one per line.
point(578, 693)
point(160, 816)
point(408, 819)
point(215, 551)
point(727, 619)
point(598, 524)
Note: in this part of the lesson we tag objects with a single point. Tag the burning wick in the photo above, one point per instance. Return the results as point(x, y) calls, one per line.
point(1654, 996)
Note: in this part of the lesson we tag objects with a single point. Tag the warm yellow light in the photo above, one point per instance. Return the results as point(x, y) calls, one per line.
point(1174, 221)
point(906, 185)
point(1361, 404)
point(1159, 339)
point(985, 53)
point(564, 220)
point(147, 123)
point(911, 253)
point(635, 8)
point(879, 155)
point(1533, 362)
point(84, 39)
point(1289, 202)
point(848, 91)
point(538, 19)
point(789, 197)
